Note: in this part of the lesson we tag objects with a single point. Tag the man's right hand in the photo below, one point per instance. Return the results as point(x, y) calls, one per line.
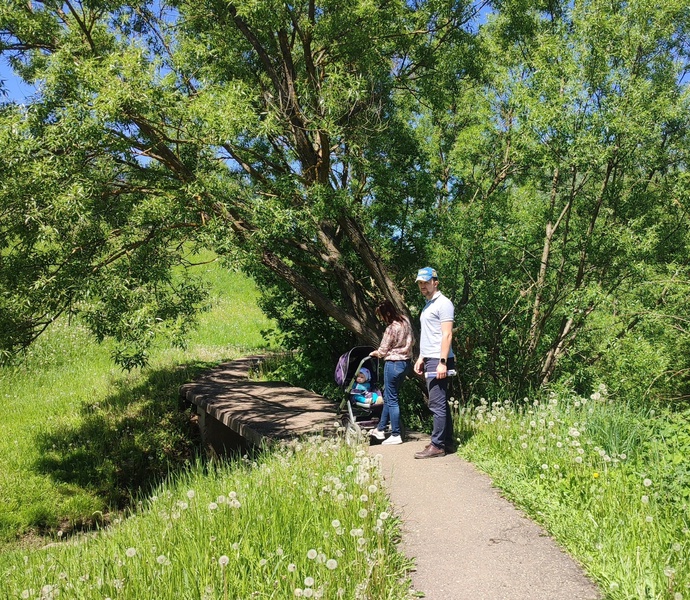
point(419, 366)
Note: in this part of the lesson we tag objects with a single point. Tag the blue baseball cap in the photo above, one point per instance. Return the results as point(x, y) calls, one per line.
point(426, 274)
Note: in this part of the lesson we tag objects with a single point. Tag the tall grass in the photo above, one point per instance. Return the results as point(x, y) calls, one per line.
point(79, 436)
point(603, 479)
point(309, 520)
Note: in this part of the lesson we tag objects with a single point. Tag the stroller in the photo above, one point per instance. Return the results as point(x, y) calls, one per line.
point(357, 416)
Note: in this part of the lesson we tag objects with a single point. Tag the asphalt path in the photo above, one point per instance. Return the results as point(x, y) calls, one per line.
point(468, 542)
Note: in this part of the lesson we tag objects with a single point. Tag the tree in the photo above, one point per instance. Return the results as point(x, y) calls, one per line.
point(569, 168)
point(269, 131)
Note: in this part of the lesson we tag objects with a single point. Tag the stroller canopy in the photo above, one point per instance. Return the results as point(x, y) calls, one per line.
point(349, 363)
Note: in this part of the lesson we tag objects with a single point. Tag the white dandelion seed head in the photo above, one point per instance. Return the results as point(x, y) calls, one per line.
point(649, 518)
point(162, 559)
point(223, 560)
point(312, 554)
point(335, 523)
point(212, 506)
point(308, 581)
point(644, 499)
point(130, 552)
point(647, 482)
point(364, 498)
point(372, 489)
point(292, 567)
point(578, 459)
point(363, 513)
point(383, 516)
point(262, 562)
point(298, 592)
point(331, 564)
point(669, 572)
point(308, 593)
point(191, 494)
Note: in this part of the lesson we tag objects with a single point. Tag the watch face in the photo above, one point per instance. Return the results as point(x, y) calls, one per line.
point(442, 361)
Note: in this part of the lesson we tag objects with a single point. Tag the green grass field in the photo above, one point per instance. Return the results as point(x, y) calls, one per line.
point(80, 436)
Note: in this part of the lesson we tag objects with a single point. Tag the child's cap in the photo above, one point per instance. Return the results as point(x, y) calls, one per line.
point(367, 374)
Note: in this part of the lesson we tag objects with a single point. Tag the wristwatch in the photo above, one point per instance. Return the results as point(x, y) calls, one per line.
point(442, 361)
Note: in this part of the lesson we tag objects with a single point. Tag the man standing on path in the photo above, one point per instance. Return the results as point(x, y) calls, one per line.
point(436, 358)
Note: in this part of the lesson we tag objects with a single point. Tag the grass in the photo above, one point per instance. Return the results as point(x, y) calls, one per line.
point(309, 520)
point(605, 481)
point(80, 437)
point(104, 494)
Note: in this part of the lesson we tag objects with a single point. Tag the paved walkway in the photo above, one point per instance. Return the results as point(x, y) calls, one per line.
point(469, 543)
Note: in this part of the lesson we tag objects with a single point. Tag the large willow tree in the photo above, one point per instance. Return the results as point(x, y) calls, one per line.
point(267, 131)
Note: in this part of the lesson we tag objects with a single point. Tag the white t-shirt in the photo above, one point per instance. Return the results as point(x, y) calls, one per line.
point(436, 311)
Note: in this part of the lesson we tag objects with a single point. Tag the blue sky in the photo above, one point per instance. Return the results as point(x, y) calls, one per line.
point(13, 87)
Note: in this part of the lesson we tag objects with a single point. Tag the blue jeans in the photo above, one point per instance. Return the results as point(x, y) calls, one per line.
point(394, 372)
point(442, 433)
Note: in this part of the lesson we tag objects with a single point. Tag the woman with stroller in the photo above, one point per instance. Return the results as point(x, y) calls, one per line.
point(396, 351)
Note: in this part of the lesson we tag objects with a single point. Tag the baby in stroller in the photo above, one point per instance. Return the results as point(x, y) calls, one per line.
point(361, 391)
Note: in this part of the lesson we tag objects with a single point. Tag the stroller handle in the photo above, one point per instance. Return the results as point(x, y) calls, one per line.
point(432, 374)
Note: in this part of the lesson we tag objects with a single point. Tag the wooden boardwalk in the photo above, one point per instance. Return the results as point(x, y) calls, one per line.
point(235, 413)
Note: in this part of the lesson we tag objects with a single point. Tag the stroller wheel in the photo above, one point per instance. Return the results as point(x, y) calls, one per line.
point(353, 434)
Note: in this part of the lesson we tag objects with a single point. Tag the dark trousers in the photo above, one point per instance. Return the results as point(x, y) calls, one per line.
point(442, 433)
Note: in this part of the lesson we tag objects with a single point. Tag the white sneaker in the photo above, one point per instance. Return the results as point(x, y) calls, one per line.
point(392, 440)
point(377, 433)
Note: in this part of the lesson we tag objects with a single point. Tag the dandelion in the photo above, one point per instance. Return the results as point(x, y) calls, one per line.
point(130, 552)
point(524, 446)
point(223, 560)
point(262, 562)
point(331, 564)
point(649, 518)
point(308, 593)
point(545, 467)
point(335, 523)
point(280, 552)
point(613, 586)
point(372, 489)
point(312, 554)
point(292, 567)
point(669, 572)
point(644, 499)
point(363, 513)
point(677, 547)
point(191, 494)
point(212, 506)
point(677, 596)
point(364, 498)
point(383, 516)
point(298, 592)
point(308, 581)
point(162, 559)
point(595, 475)
point(647, 482)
